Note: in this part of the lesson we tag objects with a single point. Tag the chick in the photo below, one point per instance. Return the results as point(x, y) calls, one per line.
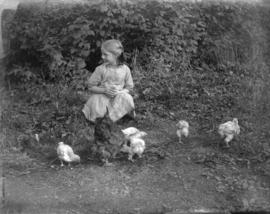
point(139, 134)
point(134, 145)
point(66, 154)
point(229, 130)
point(182, 129)
point(130, 131)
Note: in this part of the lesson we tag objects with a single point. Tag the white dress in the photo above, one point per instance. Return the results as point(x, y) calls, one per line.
point(97, 104)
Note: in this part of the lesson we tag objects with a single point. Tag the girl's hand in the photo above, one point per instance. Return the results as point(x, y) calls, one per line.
point(110, 92)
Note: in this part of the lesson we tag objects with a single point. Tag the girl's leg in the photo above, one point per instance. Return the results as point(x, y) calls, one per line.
point(122, 105)
point(96, 107)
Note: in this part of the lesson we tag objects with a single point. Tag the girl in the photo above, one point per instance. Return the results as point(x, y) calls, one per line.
point(110, 85)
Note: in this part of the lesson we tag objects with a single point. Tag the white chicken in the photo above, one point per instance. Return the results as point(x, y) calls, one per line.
point(129, 132)
point(65, 153)
point(139, 134)
point(134, 144)
point(229, 130)
point(182, 129)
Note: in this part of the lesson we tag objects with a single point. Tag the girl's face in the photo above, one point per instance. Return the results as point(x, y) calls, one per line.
point(108, 57)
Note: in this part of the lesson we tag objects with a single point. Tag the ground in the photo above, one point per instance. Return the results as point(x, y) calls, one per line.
point(196, 176)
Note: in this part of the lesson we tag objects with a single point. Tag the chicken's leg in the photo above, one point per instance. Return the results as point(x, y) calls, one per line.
point(179, 136)
point(228, 139)
point(62, 164)
point(130, 157)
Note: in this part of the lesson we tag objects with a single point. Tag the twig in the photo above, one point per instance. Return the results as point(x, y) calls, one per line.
point(53, 160)
point(35, 102)
point(245, 160)
point(183, 182)
point(24, 173)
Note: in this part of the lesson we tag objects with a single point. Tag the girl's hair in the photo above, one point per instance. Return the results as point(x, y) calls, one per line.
point(116, 48)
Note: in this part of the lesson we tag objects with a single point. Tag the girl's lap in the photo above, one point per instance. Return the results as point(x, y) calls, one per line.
point(98, 104)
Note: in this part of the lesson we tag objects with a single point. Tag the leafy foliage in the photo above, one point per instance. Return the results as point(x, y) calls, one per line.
point(204, 61)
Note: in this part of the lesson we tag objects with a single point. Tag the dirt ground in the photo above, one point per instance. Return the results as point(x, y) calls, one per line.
point(196, 177)
point(190, 177)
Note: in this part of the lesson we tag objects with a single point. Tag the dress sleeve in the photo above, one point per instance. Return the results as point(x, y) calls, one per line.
point(128, 80)
point(96, 77)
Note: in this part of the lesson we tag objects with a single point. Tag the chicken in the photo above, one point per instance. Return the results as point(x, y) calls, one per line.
point(105, 155)
point(66, 154)
point(182, 129)
point(106, 139)
point(130, 131)
point(139, 134)
point(229, 130)
point(134, 145)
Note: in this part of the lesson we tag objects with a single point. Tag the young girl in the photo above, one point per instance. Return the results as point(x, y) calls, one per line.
point(110, 85)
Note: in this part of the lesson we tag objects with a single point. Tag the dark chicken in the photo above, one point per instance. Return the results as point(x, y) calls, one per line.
point(107, 139)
